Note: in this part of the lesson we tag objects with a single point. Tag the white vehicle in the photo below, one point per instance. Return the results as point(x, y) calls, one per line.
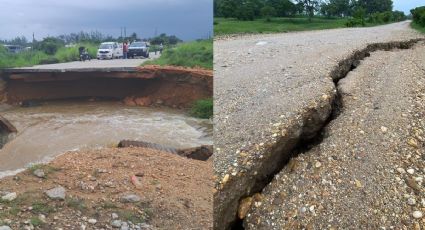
point(109, 50)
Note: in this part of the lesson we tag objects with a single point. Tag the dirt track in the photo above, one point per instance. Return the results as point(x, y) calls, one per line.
point(272, 94)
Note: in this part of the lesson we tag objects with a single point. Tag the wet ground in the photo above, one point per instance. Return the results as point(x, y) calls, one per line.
point(57, 127)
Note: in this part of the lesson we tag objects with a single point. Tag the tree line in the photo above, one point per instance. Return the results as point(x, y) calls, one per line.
point(418, 16)
point(50, 45)
point(251, 9)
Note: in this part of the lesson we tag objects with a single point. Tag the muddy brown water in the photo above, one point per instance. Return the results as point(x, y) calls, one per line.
point(54, 128)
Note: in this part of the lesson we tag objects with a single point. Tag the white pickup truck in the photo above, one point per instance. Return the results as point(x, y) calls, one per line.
point(109, 50)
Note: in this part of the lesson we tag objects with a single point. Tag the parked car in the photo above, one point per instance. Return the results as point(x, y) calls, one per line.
point(14, 48)
point(138, 49)
point(109, 50)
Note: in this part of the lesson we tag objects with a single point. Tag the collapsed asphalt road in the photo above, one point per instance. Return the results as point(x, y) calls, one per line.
point(272, 94)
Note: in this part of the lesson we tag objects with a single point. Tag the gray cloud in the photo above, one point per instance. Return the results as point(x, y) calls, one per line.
point(187, 19)
point(407, 5)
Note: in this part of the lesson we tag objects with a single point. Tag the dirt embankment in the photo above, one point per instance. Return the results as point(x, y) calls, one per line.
point(109, 188)
point(149, 85)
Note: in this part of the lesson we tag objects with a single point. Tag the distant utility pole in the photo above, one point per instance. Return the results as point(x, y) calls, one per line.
point(121, 31)
point(125, 32)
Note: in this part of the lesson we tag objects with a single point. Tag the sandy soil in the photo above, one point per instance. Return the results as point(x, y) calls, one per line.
point(174, 192)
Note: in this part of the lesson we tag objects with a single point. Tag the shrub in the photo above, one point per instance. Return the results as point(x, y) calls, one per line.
point(202, 108)
point(50, 45)
point(190, 54)
point(268, 12)
point(418, 15)
point(355, 22)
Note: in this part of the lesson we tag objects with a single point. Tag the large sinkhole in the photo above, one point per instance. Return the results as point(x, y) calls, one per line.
point(76, 111)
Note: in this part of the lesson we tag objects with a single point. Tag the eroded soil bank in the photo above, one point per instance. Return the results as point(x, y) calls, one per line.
point(170, 86)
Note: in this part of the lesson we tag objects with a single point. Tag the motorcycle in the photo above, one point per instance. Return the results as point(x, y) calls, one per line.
point(84, 54)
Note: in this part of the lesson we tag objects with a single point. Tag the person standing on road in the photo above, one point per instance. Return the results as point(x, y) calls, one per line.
point(125, 50)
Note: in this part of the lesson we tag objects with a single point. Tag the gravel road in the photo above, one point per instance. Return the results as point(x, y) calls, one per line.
point(270, 92)
point(96, 64)
point(368, 172)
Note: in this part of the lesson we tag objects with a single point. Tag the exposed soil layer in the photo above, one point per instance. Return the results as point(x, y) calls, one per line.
point(203, 152)
point(170, 86)
point(235, 196)
point(175, 192)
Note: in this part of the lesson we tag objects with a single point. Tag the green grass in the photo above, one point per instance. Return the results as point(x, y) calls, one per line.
point(189, 54)
point(46, 168)
point(202, 108)
point(31, 58)
point(36, 222)
point(77, 204)
point(224, 26)
point(232, 26)
point(417, 27)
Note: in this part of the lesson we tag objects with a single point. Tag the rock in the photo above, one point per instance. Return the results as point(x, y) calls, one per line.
point(145, 226)
point(412, 184)
point(412, 142)
point(384, 129)
point(143, 101)
point(130, 198)
point(124, 226)
point(417, 214)
point(401, 170)
point(4, 227)
point(410, 171)
point(114, 215)
point(83, 227)
point(244, 207)
point(411, 201)
point(92, 221)
point(116, 223)
point(39, 173)
point(129, 101)
point(318, 164)
point(10, 196)
point(57, 193)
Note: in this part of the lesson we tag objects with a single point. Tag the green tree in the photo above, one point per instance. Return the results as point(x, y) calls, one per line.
point(310, 6)
point(268, 12)
point(375, 6)
point(283, 8)
point(226, 8)
point(50, 45)
point(360, 14)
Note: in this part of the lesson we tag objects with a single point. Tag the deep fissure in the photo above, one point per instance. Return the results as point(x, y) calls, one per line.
point(303, 145)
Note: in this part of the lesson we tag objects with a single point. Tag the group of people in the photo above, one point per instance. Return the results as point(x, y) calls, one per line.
point(125, 49)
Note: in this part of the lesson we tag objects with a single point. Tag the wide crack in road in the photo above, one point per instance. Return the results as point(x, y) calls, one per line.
point(244, 167)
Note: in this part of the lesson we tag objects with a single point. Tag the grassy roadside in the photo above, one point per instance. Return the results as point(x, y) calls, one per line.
point(418, 27)
point(189, 54)
point(224, 26)
point(202, 108)
point(30, 58)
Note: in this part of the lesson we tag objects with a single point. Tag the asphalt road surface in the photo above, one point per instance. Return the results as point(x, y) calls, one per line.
point(271, 92)
point(96, 64)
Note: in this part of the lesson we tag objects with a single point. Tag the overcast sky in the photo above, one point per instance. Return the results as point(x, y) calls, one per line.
point(187, 19)
point(407, 5)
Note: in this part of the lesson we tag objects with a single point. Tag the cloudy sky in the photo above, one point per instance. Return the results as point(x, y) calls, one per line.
point(187, 19)
point(407, 5)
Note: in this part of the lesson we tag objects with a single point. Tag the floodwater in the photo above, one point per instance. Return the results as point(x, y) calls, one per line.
point(57, 127)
